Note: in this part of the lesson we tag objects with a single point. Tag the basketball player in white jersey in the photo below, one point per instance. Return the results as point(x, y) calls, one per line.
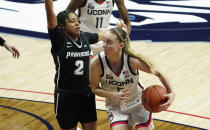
point(114, 75)
point(95, 16)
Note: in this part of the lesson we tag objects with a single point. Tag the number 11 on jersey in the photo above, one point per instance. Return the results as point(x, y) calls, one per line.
point(99, 21)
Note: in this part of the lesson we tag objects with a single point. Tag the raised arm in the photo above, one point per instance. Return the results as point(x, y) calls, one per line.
point(140, 65)
point(124, 14)
point(75, 4)
point(51, 17)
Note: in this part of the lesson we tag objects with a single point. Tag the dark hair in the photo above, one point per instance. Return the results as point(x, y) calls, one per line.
point(62, 16)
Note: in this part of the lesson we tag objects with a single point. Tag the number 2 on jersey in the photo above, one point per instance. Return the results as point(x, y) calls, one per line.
point(80, 65)
point(99, 21)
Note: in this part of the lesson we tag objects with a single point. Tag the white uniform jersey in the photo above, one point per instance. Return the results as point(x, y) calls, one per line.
point(95, 17)
point(126, 79)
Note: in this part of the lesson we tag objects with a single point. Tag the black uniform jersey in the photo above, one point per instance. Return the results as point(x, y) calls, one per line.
point(2, 41)
point(72, 60)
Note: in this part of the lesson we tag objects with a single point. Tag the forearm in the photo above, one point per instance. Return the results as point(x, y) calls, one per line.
point(74, 5)
point(102, 93)
point(48, 7)
point(6, 46)
point(4, 43)
point(51, 17)
point(165, 82)
point(124, 14)
point(70, 6)
point(129, 27)
point(126, 20)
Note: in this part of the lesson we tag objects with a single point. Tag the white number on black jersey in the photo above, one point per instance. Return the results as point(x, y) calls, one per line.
point(80, 65)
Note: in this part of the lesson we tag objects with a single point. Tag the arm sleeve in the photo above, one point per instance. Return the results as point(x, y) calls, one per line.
point(91, 37)
point(2, 41)
point(57, 38)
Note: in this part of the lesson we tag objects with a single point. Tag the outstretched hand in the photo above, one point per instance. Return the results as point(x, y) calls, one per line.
point(13, 50)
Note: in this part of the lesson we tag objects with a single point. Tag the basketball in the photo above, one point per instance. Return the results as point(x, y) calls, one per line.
point(152, 97)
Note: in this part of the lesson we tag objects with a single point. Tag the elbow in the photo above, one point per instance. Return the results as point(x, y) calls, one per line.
point(158, 74)
point(93, 89)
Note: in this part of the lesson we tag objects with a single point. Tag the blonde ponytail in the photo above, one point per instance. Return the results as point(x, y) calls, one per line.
point(122, 36)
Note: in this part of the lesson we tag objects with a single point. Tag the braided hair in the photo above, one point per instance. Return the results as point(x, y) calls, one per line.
point(123, 37)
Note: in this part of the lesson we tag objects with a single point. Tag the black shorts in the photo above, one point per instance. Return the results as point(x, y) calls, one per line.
point(73, 108)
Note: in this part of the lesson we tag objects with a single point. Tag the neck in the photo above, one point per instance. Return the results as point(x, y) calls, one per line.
point(100, 0)
point(115, 59)
point(115, 62)
point(72, 37)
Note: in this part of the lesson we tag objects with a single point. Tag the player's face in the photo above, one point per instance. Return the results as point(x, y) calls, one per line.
point(72, 25)
point(111, 44)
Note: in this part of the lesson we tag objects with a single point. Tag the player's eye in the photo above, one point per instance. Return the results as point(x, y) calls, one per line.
point(71, 21)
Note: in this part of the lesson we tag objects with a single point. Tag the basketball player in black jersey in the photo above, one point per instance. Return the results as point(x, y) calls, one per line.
point(12, 49)
point(70, 49)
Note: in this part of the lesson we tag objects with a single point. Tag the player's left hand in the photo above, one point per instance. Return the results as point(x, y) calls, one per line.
point(13, 50)
point(170, 97)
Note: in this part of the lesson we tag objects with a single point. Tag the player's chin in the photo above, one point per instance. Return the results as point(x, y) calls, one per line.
point(106, 53)
point(77, 32)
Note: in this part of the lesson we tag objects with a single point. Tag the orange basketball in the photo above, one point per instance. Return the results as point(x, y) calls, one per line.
point(152, 97)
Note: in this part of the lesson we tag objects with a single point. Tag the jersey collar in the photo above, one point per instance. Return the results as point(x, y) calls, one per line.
point(101, 2)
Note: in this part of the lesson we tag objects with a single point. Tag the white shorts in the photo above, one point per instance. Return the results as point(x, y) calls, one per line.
point(96, 48)
point(139, 117)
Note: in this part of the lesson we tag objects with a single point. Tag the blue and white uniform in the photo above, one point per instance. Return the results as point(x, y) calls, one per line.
point(134, 113)
point(95, 17)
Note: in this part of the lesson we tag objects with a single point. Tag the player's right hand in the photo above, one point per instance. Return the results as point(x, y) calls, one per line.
point(120, 97)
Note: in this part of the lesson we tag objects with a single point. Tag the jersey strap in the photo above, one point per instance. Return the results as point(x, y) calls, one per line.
point(102, 66)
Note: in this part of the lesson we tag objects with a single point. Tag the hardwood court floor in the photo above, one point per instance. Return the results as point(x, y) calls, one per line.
point(186, 65)
point(30, 115)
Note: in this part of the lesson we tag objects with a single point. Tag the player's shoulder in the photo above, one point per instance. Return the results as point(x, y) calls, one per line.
point(88, 34)
point(133, 60)
point(85, 34)
point(95, 62)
